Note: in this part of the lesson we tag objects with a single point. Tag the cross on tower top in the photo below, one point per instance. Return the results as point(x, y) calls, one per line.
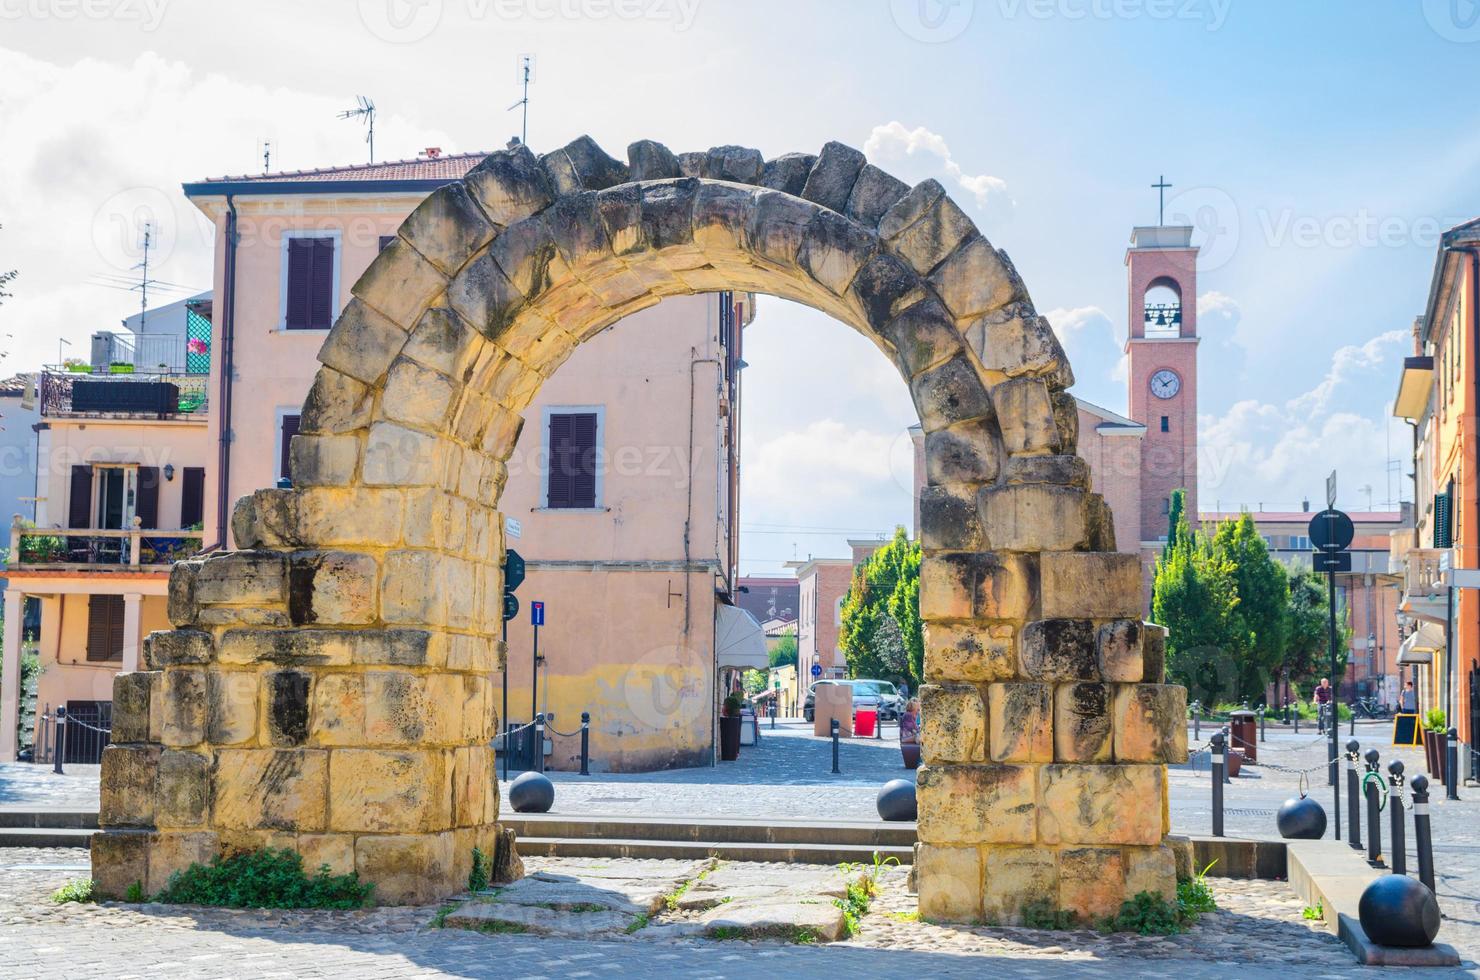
point(1161, 186)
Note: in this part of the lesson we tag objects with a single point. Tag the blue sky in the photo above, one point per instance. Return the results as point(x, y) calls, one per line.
point(1318, 147)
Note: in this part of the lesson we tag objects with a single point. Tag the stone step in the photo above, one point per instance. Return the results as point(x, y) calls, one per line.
point(853, 833)
point(28, 817)
point(45, 836)
point(791, 853)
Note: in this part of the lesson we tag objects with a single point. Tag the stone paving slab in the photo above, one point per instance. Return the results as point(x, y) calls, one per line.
point(732, 882)
point(784, 918)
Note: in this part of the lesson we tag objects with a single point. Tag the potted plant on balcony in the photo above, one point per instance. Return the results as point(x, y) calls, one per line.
point(729, 727)
point(1435, 742)
point(120, 367)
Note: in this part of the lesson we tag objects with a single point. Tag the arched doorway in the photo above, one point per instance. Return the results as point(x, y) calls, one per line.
point(328, 687)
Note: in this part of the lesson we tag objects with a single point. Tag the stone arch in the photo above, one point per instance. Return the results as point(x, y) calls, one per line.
point(328, 687)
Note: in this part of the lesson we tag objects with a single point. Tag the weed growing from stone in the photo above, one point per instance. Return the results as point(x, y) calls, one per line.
point(1148, 914)
point(264, 879)
point(1194, 897)
point(135, 893)
point(439, 921)
point(80, 890)
point(639, 921)
point(478, 876)
point(1316, 913)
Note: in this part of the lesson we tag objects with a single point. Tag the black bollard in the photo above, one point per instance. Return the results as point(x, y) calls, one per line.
point(1354, 794)
point(1374, 819)
point(1451, 766)
point(1263, 713)
point(1218, 745)
point(774, 706)
point(1399, 846)
point(1352, 729)
point(836, 770)
point(1228, 741)
point(585, 743)
point(539, 743)
point(1297, 719)
point(61, 746)
point(1423, 839)
point(1332, 764)
point(1287, 711)
point(1196, 721)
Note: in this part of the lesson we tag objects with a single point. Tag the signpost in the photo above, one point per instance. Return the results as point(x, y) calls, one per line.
point(817, 670)
point(536, 619)
point(513, 576)
point(1331, 533)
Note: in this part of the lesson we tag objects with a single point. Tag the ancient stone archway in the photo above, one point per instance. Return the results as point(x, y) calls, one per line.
point(328, 687)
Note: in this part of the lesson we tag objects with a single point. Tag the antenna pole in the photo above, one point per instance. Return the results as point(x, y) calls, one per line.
point(524, 129)
point(144, 282)
point(266, 155)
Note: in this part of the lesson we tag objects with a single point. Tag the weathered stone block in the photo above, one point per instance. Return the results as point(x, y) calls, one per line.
point(395, 708)
point(136, 711)
point(1066, 422)
point(1033, 517)
point(1099, 524)
point(509, 185)
point(344, 516)
point(969, 652)
point(1025, 413)
point(991, 804)
point(285, 701)
point(336, 403)
point(833, 250)
point(181, 606)
point(885, 286)
point(1100, 804)
point(1017, 342)
point(184, 789)
point(1059, 650)
point(483, 297)
point(948, 518)
point(231, 706)
point(119, 859)
point(264, 519)
point(126, 794)
point(740, 164)
point(399, 283)
point(339, 709)
point(447, 228)
point(416, 394)
point(1098, 585)
point(948, 393)
point(1082, 725)
point(873, 194)
point(396, 647)
point(472, 769)
point(922, 336)
point(1151, 869)
point(651, 160)
point(976, 586)
point(832, 177)
point(172, 648)
point(1020, 720)
point(183, 706)
point(412, 589)
point(778, 227)
point(788, 172)
point(242, 578)
point(1154, 654)
point(334, 851)
point(1016, 877)
point(443, 343)
point(976, 279)
point(949, 881)
point(925, 226)
point(966, 453)
point(333, 588)
point(1119, 650)
point(323, 461)
point(1150, 723)
point(955, 724)
point(275, 789)
point(363, 343)
point(1092, 881)
point(667, 215)
point(382, 791)
point(396, 456)
point(409, 869)
point(1063, 471)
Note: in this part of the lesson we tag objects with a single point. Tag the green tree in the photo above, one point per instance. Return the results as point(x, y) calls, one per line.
point(1307, 633)
point(784, 653)
point(1263, 591)
point(881, 634)
point(1196, 598)
point(754, 681)
point(1175, 523)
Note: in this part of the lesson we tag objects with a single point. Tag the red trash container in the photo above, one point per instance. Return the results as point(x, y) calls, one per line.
point(864, 720)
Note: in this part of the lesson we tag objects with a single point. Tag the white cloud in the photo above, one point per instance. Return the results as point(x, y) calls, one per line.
point(893, 142)
point(1347, 363)
point(1218, 313)
point(1091, 338)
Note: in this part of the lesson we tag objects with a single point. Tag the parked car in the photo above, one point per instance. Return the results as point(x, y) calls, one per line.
point(868, 694)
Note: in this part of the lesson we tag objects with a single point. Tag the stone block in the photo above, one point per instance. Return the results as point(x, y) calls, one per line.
point(510, 185)
point(976, 279)
point(333, 588)
point(833, 250)
point(395, 708)
point(873, 194)
point(120, 858)
point(483, 297)
point(1118, 645)
point(396, 647)
point(271, 789)
point(417, 395)
point(925, 226)
point(969, 652)
point(1025, 413)
point(336, 403)
point(231, 706)
point(136, 708)
point(314, 648)
point(183, 786)
point(722, 218)
point(922, 335)
point(1150, 723)
point(1082, 725)
point(976, 586)
point(385, 791)
point(1099, 523)
point(1034, 517)
point(323, 461)
point(1154, 654)
point(1016, 877)
point(949, 520)
point(778, 227)
point(285, 704)
point(173, 648)
point(399, 283)
point(1151, 869)
point(412, 589)
point(991, 804)
point(242, 578)
point(1017, 342)
point(667, 215)
point(651, 160)
point(126, 793)
point(180, 606)
point(832, 177)
point(173, 852)
point(524, 251)
point(472, 769)
point(346, 516)
point(447, 228)
point(884, 288)
point(363, 343)
point(334, 851)
point(582, 165)
point(1059, 650)
point(339, 709)
point(788, 172)
point(1066, 422)
point(443, 343)
point(1100, 804)
point(1091, 881)
point(183, 706)
point(949, 393)
point(1063, 471)
point(264, 519)
point(396, 456)
point(1083, 585)
point(1020, 722)
point(740, 164)
point(949, 880)
point(409, 869)
point(967, 453)
point(955, 724)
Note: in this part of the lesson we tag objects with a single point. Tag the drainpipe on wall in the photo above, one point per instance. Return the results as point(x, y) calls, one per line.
point(688, 520)
point(228, 329)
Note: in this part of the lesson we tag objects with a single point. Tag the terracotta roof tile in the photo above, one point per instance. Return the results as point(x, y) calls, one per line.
point(451, 166)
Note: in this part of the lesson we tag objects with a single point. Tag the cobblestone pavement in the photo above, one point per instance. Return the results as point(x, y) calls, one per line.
point(27, 786)
point(1258, 932)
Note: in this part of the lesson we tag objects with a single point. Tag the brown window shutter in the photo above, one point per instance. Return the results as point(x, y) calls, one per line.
point(300, 276)
point(558, 492)
point(290, 429)
point(322, 287)
point(79, 498)
point(192, 496)
point(146, 504)
point(105, 627)
point(572, 479)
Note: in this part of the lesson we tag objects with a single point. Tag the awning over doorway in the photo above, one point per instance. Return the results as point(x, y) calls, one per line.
point(1419, 648)
point(739, 640)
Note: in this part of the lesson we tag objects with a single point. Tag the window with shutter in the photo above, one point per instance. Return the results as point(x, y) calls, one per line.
point(105, 627)
point(146, 501)
point(79, 499)
point(572, 478)
point(309, 304)
point(1443, 528)
point(192, 496)
point(289, 430)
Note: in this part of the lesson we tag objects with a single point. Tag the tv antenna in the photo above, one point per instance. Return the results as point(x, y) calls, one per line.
point(364, 109)
point(144, 280)
point(526, 75)
point(266, 156)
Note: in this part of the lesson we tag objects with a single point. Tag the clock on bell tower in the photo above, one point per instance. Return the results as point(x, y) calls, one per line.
point(1161, 353)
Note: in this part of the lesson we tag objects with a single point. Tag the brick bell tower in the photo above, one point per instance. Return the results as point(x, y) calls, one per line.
point(1161, 349)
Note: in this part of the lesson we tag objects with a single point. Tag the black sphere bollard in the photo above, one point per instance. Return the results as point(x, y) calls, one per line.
point(1374, 820)
point(1399, 848)
point(896, 800)
point(585, 743)
point(1423, 837)
point(532, 792)
point(1451, 766)
point(834, 726)
point(1217, 749)
point(1353, 795)
point(1301, 818)
point(1395, 910)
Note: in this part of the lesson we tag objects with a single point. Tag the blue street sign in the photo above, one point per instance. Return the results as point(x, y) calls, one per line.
point(817, 670)
point(537, 613)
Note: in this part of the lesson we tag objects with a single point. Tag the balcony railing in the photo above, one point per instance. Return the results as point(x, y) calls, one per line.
point(55, 547)
point(1421, 571)
point(123, 394)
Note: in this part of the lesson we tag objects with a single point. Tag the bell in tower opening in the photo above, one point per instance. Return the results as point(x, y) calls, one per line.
point(1162, 309)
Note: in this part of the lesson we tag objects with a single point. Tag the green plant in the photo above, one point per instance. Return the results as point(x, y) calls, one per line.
point(862, 886)
point(478, 875)
point(266, 878)
point(639, 921)
point(439, 921)
point(1434, 720)
point(135, 893)
point(79, 890)
point(805, 936)
point(1147, 914)
point(1194, 897)
point(1041, 914)
point(1314, 914)
point(734, 703)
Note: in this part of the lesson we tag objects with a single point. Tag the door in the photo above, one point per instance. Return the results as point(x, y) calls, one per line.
point(117, 489)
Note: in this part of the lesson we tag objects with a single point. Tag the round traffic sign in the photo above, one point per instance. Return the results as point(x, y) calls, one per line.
point(1331, 530)
point(817, 670)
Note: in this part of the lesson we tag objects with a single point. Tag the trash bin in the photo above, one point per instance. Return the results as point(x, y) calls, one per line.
point(864, 720)
point(1243, 725)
